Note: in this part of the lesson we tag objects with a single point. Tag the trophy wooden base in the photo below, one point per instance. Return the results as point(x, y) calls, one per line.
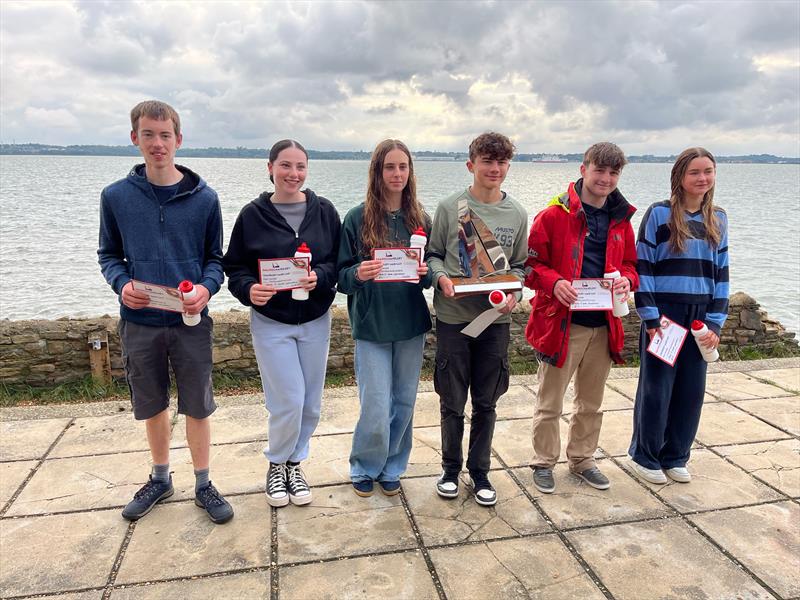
point(464, 286)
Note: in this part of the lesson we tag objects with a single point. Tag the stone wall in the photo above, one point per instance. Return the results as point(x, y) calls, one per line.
point(43, 353)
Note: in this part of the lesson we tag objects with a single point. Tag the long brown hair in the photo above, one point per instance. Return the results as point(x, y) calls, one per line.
point(374, 231)
point(678, 228)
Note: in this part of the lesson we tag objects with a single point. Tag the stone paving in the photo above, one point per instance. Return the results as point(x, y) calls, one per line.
point(734, 532)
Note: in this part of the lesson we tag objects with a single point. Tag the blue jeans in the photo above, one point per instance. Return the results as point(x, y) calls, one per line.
point(387, 375)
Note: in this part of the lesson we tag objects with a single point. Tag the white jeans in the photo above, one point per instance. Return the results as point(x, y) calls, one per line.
point(292, 361)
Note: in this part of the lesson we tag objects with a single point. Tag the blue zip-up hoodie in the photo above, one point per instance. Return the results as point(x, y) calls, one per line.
point(160, 243)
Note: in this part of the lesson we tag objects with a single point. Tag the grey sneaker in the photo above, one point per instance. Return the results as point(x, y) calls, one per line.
point(595, 478)
point(146, 498)
point(543, 480)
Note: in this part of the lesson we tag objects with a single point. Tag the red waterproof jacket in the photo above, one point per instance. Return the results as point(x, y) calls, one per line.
point(555, 251)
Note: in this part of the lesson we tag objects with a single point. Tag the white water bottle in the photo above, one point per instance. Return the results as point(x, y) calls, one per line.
point(620, 306)
point(188, 292)
point(699, 329)
point(302, 252)
point(419, 240)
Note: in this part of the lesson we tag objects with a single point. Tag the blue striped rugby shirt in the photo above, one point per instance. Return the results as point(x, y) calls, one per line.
point(697, 276)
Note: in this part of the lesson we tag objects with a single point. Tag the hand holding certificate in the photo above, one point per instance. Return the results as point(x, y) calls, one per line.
point(397, 264)
point(593, 294)
point(161, 297)
point(283, 273)
point(666, 344)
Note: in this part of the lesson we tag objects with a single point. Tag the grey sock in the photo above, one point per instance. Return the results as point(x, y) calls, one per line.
point(160, 473)
point(200, 479)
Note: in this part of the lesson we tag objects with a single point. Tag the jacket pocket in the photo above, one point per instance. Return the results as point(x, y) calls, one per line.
point(178, 270)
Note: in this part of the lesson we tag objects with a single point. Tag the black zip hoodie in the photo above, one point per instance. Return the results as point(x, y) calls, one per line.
point(262, 232)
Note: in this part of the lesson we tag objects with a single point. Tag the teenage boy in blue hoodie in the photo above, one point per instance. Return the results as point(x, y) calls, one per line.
point(162, 224)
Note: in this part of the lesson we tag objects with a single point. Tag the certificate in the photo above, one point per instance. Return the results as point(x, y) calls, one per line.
point(593, 294)
point(668, 345)
point(283, 273)
point(399, 264)
point(161, 296)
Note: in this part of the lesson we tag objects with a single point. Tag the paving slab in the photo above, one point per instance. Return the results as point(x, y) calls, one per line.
point(634, 562)
point(101, 435)
point(339, 414)
point(627, 387)
point(777, 463)
point(715, 484)
point(83, 483)
point(339, 523)
point(426, 410)
point(615, 433)
point(443, 521)
point(576, 504)
point(780, 412)
point(426, 452)
point(722, 424)
point(612, 400)
point(29, 439)
point(187, 543)
point(773, 554)
point(513, 443)
point(516, 403)
point(80, 551)
point(428, 447)
point(12, 474)
point(243, 423)
point(401, 576)
point(241, 585)
point(89, 595)
point(234, 469)
point(739, 386)
point(788, 379)
point(539, 567)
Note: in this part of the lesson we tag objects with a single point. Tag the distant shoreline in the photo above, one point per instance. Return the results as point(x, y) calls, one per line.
point(261, 153)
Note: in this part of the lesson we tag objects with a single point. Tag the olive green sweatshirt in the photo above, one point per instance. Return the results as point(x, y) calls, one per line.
point(506, 219)
point(387, 311)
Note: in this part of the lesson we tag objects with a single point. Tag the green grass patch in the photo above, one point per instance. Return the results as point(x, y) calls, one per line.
point(83, 390)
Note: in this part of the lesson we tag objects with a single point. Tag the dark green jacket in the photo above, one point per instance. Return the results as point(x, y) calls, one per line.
point(380, 311)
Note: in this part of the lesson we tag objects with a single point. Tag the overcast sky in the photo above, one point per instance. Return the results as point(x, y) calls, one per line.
point(655, 77)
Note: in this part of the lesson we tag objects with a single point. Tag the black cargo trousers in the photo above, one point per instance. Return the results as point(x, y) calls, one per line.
point(479, 365)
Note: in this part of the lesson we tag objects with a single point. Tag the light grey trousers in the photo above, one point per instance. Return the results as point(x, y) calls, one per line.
point(292, 361)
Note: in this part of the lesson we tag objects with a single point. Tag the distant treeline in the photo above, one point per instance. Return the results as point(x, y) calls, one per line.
point(242, 152)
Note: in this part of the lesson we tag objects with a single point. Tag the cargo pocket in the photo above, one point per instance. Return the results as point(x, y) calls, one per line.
point(503, 378)
point(440, 376)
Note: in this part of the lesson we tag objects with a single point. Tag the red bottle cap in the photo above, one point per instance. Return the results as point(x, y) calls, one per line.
point(185, 286)
point(496, 297)
point(304, 248)
point(697, 325)
point(420, 231)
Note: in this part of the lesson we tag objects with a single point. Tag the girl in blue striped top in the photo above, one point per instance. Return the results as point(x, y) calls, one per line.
point(682, 253)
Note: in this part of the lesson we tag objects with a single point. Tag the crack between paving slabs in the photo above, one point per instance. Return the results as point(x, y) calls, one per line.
point(112, 576)
point(35, 469)
point(510, 572)
point(561, 536)
point(762, 419)
point(274, 580)
point(741, 468)
point(434, 574)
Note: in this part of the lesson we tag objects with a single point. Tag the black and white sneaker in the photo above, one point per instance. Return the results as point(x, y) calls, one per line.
point(483, 490)
point(299, 492)
point(277, 494)
point(447, 485)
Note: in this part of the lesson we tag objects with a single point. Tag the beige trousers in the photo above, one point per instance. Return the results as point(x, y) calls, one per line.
point(588, 359)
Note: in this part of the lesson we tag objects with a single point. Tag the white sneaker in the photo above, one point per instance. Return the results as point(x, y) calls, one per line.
point(652, 475)
point(679, 474)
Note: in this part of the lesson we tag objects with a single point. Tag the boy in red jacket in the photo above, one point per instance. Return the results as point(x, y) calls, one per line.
point(583, 233)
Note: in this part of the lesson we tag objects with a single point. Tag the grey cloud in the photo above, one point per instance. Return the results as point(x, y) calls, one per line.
point(386, 109)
